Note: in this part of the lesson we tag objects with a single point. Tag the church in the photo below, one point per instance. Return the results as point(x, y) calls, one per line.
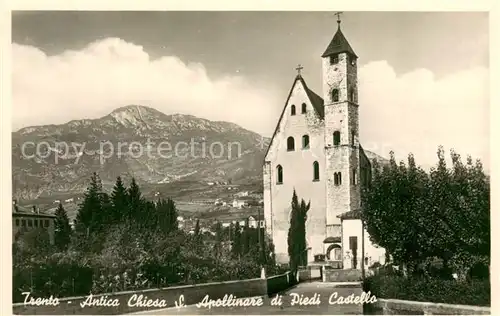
point(315, 150)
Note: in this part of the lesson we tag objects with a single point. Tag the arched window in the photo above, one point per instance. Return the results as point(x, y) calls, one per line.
point(354, 174)
point(335, 95)
point(316, 171)
point(305, 142)
point(351, 94)
point(290, 144)
point(353, 135)
point(293, 109)
point(336, 138)
point(304, 108)
point(279, 174)
point(340, 178)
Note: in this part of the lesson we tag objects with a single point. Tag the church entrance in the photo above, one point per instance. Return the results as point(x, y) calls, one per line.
point(334, 252)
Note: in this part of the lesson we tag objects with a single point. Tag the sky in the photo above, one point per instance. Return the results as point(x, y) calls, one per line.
point(423, 76)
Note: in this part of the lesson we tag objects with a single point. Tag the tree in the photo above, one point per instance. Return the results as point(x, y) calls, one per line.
point(417, 215)
point(119, 199)
point(62, 231)
point(89, 213)
point(135, 202)
point(236, 248)
point(297, 244)
point(166, 216)
point(197, 228)
point(218, 240)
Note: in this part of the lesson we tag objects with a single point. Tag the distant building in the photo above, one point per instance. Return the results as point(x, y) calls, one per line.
point(256, 221)
point(24, 220)
point(69, 200)
point(239, 204)
point(242, 194)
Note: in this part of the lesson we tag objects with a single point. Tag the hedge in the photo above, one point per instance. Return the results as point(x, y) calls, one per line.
point(471, 292)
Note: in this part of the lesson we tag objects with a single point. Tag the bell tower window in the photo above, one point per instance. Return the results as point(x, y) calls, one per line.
point(292, 109)
point(336, 138)
point(334, 59)
point(335, 95)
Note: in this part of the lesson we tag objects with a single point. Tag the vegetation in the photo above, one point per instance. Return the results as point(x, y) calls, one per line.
point(421, 218)
point(297, 233)
point(122, 241)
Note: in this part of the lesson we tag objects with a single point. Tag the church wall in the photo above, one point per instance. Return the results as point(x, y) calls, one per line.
point(352, 227)
point(297, 174)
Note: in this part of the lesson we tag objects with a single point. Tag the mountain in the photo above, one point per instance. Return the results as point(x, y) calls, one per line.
point(133, 141)
point(177, 152)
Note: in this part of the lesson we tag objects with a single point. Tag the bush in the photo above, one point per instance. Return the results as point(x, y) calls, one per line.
point(392, 286)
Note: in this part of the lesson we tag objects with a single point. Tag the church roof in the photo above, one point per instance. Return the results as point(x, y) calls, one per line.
point(339, 44)
point(316, 101)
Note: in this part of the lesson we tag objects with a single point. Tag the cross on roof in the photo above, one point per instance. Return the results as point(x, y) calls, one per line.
point(299, 68)
point(338, 14)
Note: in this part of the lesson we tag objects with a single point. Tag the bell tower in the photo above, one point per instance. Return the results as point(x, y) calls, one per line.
point(340, 93)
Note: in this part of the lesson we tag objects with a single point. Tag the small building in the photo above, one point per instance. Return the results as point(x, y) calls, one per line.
point(256, 221)
point(24, 220)
point(242, 194)
point(239, 203)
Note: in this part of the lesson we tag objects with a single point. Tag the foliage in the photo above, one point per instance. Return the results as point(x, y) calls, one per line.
point(416, 215)
point(124, 242)
point(297, 233)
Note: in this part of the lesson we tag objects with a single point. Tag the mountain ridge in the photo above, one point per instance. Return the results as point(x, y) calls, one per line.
point(72, 151)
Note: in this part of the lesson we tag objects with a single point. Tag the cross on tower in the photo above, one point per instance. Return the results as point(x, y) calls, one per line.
point(338, 14)
point(299, 68)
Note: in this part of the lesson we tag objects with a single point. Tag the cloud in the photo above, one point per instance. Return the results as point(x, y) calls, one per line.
point(416, 112)
point(110, 73)
point(412, 112)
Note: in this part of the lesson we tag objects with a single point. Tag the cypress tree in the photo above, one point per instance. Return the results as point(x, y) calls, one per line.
point(197, 228)
point(296, 233)
point(236, 249)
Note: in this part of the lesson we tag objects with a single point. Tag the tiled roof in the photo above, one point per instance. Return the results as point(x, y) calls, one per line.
point(352, 214)
point(339, 44)
point(18, 210)
point(329, 240)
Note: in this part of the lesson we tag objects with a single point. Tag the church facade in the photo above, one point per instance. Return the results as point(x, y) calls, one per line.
point(315, 150)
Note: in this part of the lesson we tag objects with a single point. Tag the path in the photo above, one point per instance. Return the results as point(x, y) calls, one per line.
point(308, 289)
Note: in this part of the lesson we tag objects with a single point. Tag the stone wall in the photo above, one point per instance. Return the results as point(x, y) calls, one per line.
point(336, 275)
point(402, 307)
point(192, 294)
